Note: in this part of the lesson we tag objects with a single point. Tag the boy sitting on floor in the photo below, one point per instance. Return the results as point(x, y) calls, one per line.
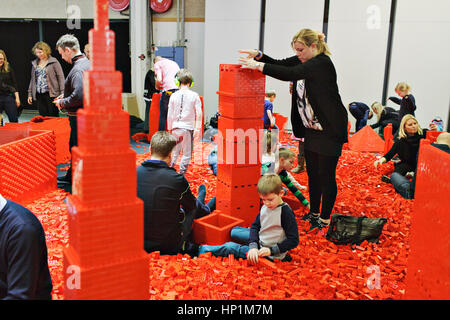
point(285, 163)
point(272, 234)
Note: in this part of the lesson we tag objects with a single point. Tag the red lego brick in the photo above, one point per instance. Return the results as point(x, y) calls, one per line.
point(214, 229)
point(255, 124)
point(241, 106)
point(103, 49)
point(102, 233)
point(241, 81)
point(114, 133)
point(388, 138)
point(102, 91)
point(120, 279)
point(242, 152)
point(238, 201)
point(153, 117)
point(366, 140)
point(239, 176)
point(99, 178)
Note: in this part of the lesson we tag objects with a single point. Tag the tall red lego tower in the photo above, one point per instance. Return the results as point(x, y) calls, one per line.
point(241, 108)
point(105, 258)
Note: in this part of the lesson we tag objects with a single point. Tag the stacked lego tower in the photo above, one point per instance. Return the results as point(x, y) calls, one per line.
point(241, 108)
point(105, 257)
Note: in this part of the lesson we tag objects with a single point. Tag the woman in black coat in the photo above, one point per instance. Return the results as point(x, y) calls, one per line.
point(317, 114)
point(406, 147)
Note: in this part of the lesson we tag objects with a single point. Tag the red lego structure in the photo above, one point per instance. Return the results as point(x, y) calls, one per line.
point(241, 108)
point(366, 140)
point(105, 258)
point(428, 264)
point(388, 138)
point(27, 163)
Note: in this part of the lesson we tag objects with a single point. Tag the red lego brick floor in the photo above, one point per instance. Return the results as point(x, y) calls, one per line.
point(319, 269)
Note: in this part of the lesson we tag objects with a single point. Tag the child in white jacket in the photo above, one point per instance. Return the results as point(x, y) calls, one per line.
point(184, 118)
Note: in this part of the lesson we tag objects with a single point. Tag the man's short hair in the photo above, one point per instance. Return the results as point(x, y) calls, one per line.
point(285, 153)
point(269, 183)
point(271, 93)
point(162, 144)
point(68, 41)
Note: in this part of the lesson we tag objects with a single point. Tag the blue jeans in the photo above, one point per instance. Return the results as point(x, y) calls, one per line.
point(402, 185)
point(239, 234)
point(361, 123)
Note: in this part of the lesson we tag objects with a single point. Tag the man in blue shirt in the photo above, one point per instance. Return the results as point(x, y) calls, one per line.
point(269, 119)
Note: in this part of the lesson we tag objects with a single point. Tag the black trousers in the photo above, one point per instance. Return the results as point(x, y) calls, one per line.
point(8, 103)
point(163, 108)
point(46, 106)
point(73, 139)
point(321, 172)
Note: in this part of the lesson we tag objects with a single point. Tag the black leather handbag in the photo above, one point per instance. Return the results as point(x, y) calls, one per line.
point(354, 230)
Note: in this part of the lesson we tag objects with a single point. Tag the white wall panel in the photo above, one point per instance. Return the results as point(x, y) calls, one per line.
point(229, 26)
point(165, 34)
point(420, 53)
point(357, 37)
point(283, 19)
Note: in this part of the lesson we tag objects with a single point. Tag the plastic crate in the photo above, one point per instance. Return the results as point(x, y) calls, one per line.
point(241, 106)
point(241, 81)
point(214, 229)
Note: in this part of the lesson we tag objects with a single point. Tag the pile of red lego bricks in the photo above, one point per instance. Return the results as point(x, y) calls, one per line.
point(319, 269)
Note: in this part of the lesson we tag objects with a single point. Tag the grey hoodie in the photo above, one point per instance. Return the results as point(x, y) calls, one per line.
point(55, 78)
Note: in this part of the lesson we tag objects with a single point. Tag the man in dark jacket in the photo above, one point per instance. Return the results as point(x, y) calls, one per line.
point(169, 205)
point(72, 100)
point(361, 112)
point(24, 273)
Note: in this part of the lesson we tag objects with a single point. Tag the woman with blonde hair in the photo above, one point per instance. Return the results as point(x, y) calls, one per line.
point(406, 147)
point(385, 115)
point(47, 80)
point(317, 113)
point(407, 102)
point(9, 93)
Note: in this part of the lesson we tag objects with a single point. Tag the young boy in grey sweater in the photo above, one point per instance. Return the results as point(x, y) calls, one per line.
point(273, 233)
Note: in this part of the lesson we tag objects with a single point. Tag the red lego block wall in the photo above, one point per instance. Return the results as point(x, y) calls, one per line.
point(428, 266)
point(59, 126)
point(27, 165)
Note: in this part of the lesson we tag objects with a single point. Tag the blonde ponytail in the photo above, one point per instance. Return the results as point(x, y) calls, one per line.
point(308, 37)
